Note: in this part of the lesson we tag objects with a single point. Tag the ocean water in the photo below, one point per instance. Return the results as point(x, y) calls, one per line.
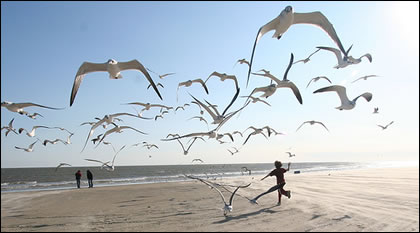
point(31, 179)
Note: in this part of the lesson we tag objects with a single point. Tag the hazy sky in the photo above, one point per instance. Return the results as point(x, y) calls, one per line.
point(43, 45)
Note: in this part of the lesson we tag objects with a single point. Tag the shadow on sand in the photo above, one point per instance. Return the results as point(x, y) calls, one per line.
point(246, 215)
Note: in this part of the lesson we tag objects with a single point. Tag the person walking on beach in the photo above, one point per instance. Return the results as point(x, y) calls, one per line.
point(78, 176)
point(90, 178)
point(279, 173)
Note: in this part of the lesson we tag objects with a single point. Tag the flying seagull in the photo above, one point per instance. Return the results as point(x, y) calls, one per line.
point(290, 154)
point(106, 164)
point(288, 18)
point(227, 206)
point(113, 68)
point(242, 61)
point(306, 59)
point(223, 77)
point(345, 102)
point(365, 77)
point(18, 107)
point(29, 149)
point(386, 126)
point(318, 78)
point(160, 76)
point(9, 128)
point(311, 123)
point(62, 164)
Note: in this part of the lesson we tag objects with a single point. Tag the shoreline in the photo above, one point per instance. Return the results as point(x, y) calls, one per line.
point(346, 200)
point(117, 182)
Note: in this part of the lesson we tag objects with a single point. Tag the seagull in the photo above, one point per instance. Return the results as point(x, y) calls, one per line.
point(386, 126)
point(233, 152)
point(113, 68)
point(160, 76)
point(62, 164)
point(18, 107)
point(53, 142)
point(147, 106)
point(284, 83)
point(106, 164)
point(306, 59)
point(365, 77)
point(245, 169)
point(237, 132)
point(290, 154)
point(242, 61)
point(256, 131)
point(288, 18)
point(172, 135)
point(227, 206)
point(158, 84)
point(345, 102)
point(375, 110)
point(108, 119)
point(33, 116)
point(255, 99)
point(32, 133)
point(268, 90)
point(30, 148)
point(342, 61)
point(318, 78)
point(94, 140)
point(223, 77)
point(188, 83)
point(312, 122)
point(118, 129)
point(9, 128)
point(183, 148)
point(271, 130)
point(149, 146)
point(201, 119)
point(198, 160)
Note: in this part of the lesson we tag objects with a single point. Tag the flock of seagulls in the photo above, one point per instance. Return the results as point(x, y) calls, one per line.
point(217, 118)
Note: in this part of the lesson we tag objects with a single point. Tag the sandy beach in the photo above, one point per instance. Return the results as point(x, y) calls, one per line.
point(377, 199)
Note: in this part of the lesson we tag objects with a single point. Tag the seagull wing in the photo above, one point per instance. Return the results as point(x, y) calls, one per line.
point(366, 95)
point(325, 78)
point(322, 125)
point(309, 82)
point(301, 126)
point(294, 88)
point(340, 90)
point(85, 68)
point(264, 29)
point(318, 19)
point(136, 65)
point(202, 84)
point(24, 105)
point(335, 51)
point(233, 194)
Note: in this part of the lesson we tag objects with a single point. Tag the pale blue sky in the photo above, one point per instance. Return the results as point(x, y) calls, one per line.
point(43, 45)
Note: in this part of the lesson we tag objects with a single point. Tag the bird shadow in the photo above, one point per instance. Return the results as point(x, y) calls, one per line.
point(246, 215)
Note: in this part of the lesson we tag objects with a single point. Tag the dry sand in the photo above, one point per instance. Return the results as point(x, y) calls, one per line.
point(352, 200)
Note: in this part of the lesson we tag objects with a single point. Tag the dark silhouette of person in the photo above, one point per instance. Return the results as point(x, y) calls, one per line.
point(90, 178)
point(279, 173)
point(78, 176)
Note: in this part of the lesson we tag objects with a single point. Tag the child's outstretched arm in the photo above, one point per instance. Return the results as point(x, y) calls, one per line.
point(288, 166)
point(265, 177)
